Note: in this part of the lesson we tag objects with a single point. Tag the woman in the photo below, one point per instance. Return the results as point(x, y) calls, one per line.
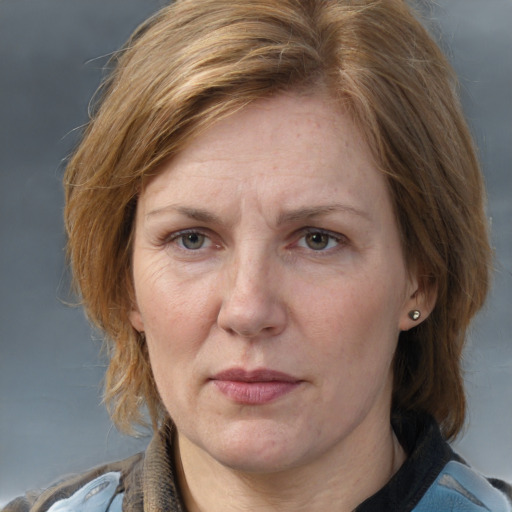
point(276, 216)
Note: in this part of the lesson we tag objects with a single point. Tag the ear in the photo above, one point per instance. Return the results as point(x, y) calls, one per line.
point(136, 319)
point(422, 297)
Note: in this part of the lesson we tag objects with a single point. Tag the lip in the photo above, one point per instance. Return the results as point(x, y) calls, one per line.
point(254, 387)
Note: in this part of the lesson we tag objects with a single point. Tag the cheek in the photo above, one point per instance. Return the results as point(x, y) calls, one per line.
point(354, 323)
point(175, 312)
point(164, 297)
point(177, 322)
point(178, 318)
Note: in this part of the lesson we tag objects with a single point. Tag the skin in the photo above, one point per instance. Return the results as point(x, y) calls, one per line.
point(270, 242)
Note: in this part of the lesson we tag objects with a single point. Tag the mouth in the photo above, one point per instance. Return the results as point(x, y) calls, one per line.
point(256, 387)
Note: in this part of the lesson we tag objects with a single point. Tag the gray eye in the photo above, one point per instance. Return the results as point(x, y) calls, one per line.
point(192, 241)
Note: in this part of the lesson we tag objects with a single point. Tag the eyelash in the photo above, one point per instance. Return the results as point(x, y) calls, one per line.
point(175, 238)
point(178, 237)
point(339, 239)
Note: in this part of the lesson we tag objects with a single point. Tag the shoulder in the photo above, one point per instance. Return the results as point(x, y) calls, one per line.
point(99, 490)
point(434, 478)
point(460, 488)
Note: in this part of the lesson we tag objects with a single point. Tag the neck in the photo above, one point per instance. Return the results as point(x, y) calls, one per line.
point(343, 477)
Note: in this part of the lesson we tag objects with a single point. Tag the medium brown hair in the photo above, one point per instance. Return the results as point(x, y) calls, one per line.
point(197, 61)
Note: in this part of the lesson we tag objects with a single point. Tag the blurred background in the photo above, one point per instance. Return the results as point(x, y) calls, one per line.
point(51, 57)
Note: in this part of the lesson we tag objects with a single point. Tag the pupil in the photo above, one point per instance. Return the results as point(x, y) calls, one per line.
point(193, 241)
point(318, 241)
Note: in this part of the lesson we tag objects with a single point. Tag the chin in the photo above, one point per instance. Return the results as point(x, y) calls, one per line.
point(257, 461)
point(256, 449)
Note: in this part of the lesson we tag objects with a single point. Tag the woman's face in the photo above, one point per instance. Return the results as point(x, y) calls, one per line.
point(271, 286)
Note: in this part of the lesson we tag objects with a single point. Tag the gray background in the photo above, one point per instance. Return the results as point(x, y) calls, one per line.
point(51, 56)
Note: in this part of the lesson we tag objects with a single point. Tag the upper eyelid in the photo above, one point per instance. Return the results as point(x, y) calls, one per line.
point(341, 241)
point(305, 229)
point(171, 237)
point(333, 234)
point(176, 234)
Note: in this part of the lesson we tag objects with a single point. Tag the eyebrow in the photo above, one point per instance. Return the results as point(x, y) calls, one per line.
point(287, 217)
point(303, 214)
point(197, 214)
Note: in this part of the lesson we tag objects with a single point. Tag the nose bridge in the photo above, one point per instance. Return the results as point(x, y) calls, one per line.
point(251, 270)
point(251, 305)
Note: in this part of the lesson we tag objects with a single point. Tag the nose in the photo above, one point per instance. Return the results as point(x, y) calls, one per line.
point(253, 304)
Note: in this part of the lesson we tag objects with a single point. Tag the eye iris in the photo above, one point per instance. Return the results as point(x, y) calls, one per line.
point(317, 241)
point(193, 240)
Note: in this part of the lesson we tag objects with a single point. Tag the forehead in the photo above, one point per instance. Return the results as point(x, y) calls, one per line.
point(307, 121)
point(282, 150)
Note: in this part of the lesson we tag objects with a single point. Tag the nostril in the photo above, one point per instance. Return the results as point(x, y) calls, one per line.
point(261, 321)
